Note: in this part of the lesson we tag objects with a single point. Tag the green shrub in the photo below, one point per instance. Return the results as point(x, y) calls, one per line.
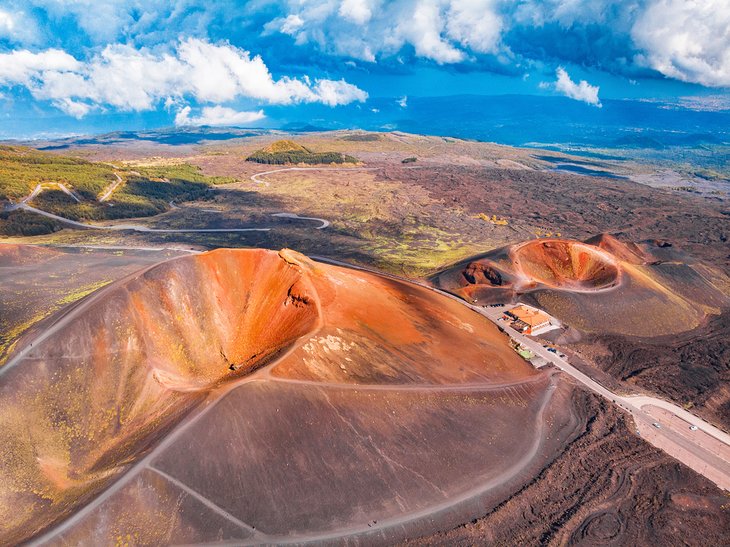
point(300, 156)
point(362, 137)
point(23, 223)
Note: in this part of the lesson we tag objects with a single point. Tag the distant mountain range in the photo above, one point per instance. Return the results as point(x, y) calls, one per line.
point(625, 128)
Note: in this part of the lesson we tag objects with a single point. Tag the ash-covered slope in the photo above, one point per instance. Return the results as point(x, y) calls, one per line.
point(111, 379)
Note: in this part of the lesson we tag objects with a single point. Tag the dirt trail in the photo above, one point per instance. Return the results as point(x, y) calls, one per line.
point(109, 191)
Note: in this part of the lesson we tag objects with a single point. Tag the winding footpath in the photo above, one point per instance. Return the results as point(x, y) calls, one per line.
point(23, 204)
point(253, 536)
point(109, 191)
point(134, 227)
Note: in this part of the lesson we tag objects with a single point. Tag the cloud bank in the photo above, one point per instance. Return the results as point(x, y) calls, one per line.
point(681, 39)
point(686, 39)
point(130, 79)
point(217, 116)
point(133, 55)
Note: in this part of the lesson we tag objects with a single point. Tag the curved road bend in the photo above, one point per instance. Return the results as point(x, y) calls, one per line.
point(324, 222)
point(692, 452)
point(12, 207)
point(135, 227)
point(255, 177)
point(140, 228)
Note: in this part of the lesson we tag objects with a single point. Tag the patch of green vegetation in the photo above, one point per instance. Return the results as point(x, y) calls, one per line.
point(362, 137)
point(21, 169)
point(145, 192)
point(284, 152)
point(140, 196)
point(182, 172)
point(23, 223)
point(81, 292)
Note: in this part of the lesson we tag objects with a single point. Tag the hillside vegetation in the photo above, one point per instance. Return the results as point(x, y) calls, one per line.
point(145, 191)
point(285, 151)
point(21, 169)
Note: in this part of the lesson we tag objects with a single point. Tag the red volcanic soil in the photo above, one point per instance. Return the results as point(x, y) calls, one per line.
point(606, 287)
point(566, 264)
point(627, 251)
point(121, 376)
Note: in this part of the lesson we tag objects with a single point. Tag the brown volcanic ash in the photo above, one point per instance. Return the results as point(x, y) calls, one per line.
point(12, 254)
point(123, 368)
point(608, 487)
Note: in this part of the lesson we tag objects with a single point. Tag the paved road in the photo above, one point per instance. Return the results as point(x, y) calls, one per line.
point(141, 228)
point(135, 227)
point(693, 453)
point(641, 401)
point(262, 374)
point(324, 222)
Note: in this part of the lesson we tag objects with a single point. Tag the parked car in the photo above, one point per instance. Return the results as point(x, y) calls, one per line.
point(693, 428)
point(657, 425)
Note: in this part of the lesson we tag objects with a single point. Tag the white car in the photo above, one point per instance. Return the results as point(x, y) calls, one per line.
point(657, 425)
point(693, 428)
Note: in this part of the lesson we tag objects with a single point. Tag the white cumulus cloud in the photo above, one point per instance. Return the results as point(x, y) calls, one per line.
point(22, 66)
point(443, 31)
point(357, 11)
point(687, 39)
point(582, 91)
point(217, 115)
point(474, 24)
point(130, 79)
point(7, 23)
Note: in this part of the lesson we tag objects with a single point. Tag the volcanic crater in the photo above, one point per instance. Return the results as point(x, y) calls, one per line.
point(218, 361)
point(564, 264)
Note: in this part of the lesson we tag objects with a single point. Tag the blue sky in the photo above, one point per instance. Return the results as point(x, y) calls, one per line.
point(86, 65)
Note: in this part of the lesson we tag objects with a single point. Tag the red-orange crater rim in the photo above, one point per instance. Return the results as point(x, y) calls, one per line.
point(566, 264)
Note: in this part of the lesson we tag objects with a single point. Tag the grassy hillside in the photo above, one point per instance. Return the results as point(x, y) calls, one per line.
point(285, 151)
point(21, 169)
point(145, 191)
